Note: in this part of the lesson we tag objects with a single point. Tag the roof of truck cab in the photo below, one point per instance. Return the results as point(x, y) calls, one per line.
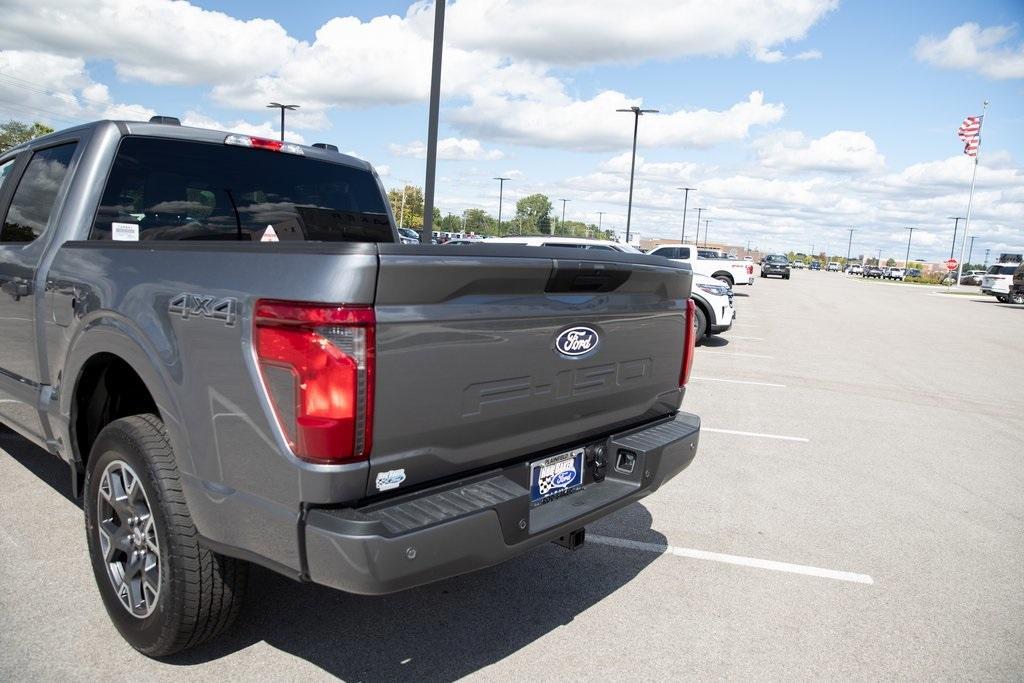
point(195, 134)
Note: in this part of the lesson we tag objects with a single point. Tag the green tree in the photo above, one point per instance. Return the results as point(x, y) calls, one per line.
point(532, 214)
point(890, 262)
point(481, 222)
point(413, 217)
point(13, 133)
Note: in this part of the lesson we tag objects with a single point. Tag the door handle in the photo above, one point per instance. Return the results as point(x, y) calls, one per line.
point(16, 288)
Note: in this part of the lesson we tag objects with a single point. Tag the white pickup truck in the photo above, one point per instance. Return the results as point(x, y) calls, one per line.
point(730, 271)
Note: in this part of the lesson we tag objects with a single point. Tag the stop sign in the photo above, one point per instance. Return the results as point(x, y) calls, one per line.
point(951, 263)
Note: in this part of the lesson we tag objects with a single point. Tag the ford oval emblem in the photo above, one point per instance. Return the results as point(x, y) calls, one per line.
point(576, 341)
point(563, 478)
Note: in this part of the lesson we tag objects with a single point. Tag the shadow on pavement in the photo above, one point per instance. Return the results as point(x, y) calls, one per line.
point(714, 341)
point(442, 631)
point(47, 467)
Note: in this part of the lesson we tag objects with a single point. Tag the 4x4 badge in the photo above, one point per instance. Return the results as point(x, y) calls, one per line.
point(188, 305)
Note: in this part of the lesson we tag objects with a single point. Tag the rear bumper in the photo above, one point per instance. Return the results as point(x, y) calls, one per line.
point(484, 520)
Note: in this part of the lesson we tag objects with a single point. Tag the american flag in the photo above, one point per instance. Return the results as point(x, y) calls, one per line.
point(969, 133)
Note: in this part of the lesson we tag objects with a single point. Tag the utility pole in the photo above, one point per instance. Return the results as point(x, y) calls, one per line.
point(879, 258)
point(699, 210)
point(282, 107)
point(563, 211)
point(849, 245)
point(501, 192)
point(686, 198)
point(986, 258)
point(600, 217)
point(906, 261)
point(707, 222)
point(401, 217)
point(637, 113)
point(971, 252)
point(432, 119)
point(956, 224)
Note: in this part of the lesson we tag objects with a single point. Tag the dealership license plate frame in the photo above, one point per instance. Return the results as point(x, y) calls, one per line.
point(558, 483)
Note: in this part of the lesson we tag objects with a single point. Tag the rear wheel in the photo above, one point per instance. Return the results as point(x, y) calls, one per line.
point(1017, 297)
point(1002, 299)
point(163, 590)
point(724, 278)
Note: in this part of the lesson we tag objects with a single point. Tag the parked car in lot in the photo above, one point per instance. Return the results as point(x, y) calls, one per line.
point(972, 277)
point(715, 310)
point(893, 273)
point(913, 272)
point(833, 266)
point(855, 269)
point(409, 236)
point(775, 264)
point(732, 272)
point(997, 280)
point(874, 271)
point(1017, 285)
point(224, 341)
point(815, 265)
point(797, 265)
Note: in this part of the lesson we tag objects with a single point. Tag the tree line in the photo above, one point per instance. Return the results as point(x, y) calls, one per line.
point(532, 216)
point(14, 133)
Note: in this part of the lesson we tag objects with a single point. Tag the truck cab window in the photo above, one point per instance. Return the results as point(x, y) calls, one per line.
point(36, 195)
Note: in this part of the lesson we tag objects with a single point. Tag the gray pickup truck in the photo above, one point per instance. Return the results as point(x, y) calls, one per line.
point(225, 340)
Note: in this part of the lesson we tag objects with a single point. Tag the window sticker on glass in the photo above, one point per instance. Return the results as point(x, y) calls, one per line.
point(124, 232)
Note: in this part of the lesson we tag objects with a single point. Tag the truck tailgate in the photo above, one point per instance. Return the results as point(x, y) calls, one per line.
point(469, 374)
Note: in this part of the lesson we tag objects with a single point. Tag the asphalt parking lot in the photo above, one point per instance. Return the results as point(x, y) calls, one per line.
point(856, 510)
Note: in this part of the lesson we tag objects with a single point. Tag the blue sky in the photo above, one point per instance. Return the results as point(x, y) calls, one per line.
point(861, 133)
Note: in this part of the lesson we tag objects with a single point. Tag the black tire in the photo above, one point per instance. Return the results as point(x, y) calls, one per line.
point(1017, 297)
point(725, 279)
point(701, 324)
point(199, 592)
point(1002, 299)
point(785, 277)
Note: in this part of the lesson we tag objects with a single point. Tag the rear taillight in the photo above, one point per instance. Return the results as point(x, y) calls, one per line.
point(317, 363)
point(750, 270)
point(689, 342)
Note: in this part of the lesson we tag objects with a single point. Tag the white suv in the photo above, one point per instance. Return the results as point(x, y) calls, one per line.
point(715, 311)
point(997, 281)
point(833, 266)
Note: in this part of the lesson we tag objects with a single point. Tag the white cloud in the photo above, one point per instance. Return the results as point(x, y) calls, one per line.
point(840, 151)
point(970, 47)
point(263, 129)
point(44, 87)
point(580, 32)
point(767, 56)
point(453, 149)
point(808, 54)
point(595, 125)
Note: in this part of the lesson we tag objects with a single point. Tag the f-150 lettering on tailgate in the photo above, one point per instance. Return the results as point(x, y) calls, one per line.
point(508, 395)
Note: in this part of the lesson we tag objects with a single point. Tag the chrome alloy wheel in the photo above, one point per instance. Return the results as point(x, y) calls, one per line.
point(128, 539)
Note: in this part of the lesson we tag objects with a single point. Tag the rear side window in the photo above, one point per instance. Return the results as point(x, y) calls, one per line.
point(178, 190)
point(36, 195)
point(5, 170)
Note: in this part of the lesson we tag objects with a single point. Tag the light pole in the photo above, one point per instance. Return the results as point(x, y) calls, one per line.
point(401, 218)
point(282, 107)
point(563, 211)
point(956, 224)
point(986, 258)
point(501, 192)
point(686, 198)
point(906, 261)
point(879, 258)
point(849, 246)
point(433, 113)
point(699, 210)
point(707, 222)
point(600, 217)
point(637, 113)
point(971, 252)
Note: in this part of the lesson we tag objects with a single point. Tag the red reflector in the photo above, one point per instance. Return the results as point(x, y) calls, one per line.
point(266, 143)
point(689, 343)
point(750, 270)
point(326, 410)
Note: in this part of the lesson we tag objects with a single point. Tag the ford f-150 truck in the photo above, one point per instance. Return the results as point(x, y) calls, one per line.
point(224, 339)
point(708, 262)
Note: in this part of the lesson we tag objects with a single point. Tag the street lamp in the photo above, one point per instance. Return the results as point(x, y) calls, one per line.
point(282, 107)
point(501, 192)
point(600, 217)
point(707, 222)
point(686, 198)
point(849, 246)
point(563, 211)
point(637, 113)
point(433, 115)
point(971, 252)
point(699, 210)
point(956, 224)
point(906, 261)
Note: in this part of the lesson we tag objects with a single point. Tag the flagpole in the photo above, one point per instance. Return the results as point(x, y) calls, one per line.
point(970, 199)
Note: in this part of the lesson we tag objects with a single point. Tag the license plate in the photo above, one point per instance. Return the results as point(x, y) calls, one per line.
point(556, 476)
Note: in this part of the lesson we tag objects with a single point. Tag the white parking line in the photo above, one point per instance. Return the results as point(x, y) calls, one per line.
point(732, 353)
point(740, 381)
point(733, 336)
point(756, 434)
point(732, 559)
